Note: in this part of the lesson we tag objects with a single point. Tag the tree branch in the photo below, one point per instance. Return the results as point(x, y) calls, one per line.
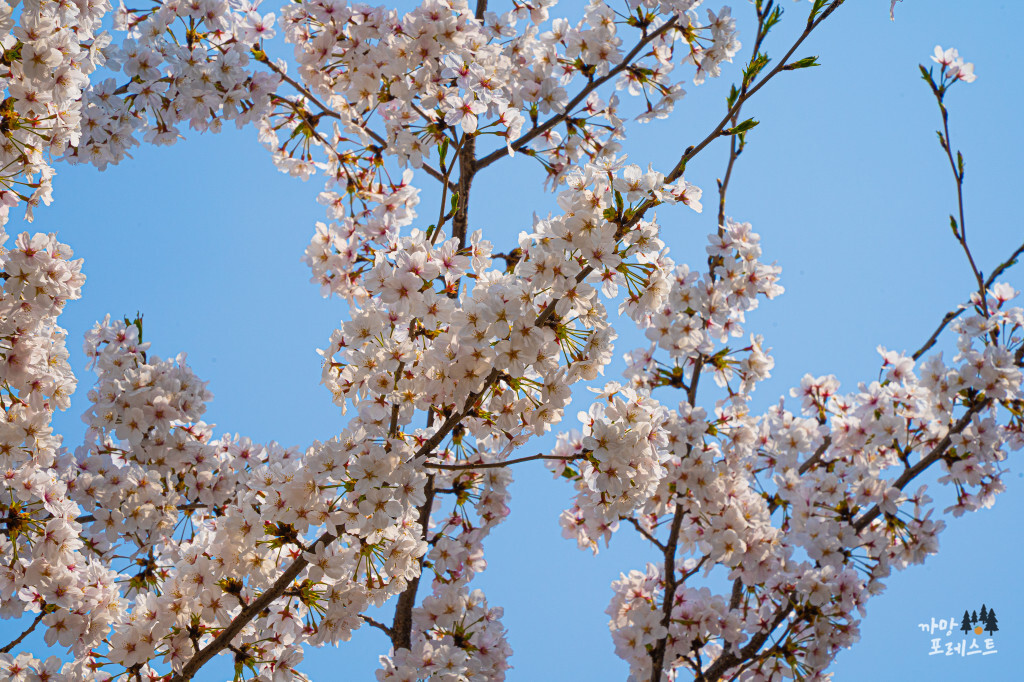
point(377, 624)
point(17, 640)
point(191, 506)
point(401, 627)
point(536, 131)
point(247, 614)
point(331, 113)
point(650, 538)
point(494, 465)
point(953, 314)
point(933, 456)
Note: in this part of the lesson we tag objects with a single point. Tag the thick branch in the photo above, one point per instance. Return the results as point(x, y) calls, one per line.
point(250, 612)
point(933, 456)
point(658, 653)
point(669, 552)
point(467, 169)
point(729, 659)
point(401, 627)
point(377, 624)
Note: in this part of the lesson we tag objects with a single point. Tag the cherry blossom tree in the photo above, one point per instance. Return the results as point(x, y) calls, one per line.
point(155, 546)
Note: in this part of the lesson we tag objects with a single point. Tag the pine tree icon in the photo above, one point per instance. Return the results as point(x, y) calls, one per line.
point(991, 624)
point(965, 624)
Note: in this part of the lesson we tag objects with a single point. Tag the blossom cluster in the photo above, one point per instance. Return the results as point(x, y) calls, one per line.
point(202, 80)
point(155, 545)
point(807, 512)
point(49, 50)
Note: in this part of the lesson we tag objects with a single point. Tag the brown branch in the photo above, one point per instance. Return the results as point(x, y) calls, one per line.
point(192, 506)
point(816, 457)
point(467, 169)
point(728, 659)
point(933, 456)
point(953, 314)
point(781, 66)
point(534, 132)
point(401, 627)
point(327, 111)
point(255, 607)
point(17, 640)
point(494, 465)
point(658, 652)
point(377, 624)
point(650, 538)
point(736, 145)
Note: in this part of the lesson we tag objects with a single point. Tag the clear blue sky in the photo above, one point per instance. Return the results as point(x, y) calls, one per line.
point(843, 179)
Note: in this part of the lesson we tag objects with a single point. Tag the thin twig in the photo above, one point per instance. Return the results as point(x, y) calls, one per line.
point(953, 314)
point(377, 624)
point(505, 463)
point(650, 538)
point(331, 113)
point(534, 132)
point(191, 506)
point(38, 619)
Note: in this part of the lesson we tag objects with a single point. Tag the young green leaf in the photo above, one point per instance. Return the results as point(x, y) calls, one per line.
point(741, 128)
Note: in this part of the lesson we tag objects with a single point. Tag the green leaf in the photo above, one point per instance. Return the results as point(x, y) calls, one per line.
point(815, 10)
point(443, 151)
point(741, 128)
point(804, 63)
point(757, 63)
point(773, 18)
point(731, 99)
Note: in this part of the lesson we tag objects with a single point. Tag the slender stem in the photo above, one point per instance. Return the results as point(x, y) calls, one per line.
point(331, 113)
point(953, 314)
point(495, 465)
point(17, 640)
point(377, 624)
point(958, 175)
point(650, 538)
point(781, 66)
point(192, 506)
point(575, 101)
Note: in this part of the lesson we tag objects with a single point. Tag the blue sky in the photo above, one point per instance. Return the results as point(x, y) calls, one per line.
point(843, 179)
